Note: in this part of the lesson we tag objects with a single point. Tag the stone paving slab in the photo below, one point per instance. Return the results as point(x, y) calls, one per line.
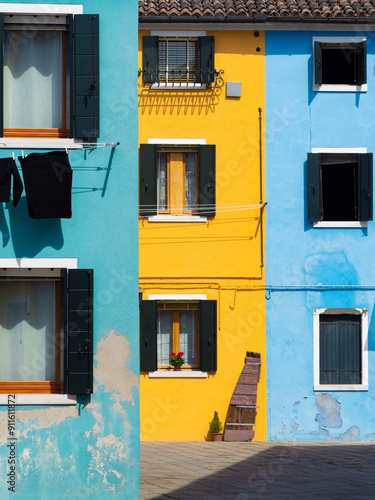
point(252, 471)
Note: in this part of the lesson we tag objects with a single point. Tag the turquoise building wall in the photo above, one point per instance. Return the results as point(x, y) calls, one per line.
point(307, 267)
point(91, 450)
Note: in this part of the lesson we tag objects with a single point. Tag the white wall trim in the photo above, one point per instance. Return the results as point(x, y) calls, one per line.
point(40, 399)
point(344, 224)
point(25, 263)
point(339, 150)
point(26, 143)
point(364, 339)
point(40, 8)
point(177, 218)
point(181, 297)
point(176, 142)
point(339, 39)
point(177, 32)
point(177, 374)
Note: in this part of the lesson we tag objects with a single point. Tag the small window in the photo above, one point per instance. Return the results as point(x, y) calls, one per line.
point(339, 64)
point(339, 187)
point(177, 180)
point(178, 61)
point(340, 342)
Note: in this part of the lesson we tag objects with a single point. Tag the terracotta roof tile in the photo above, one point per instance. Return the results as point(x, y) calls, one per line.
point(256, 8)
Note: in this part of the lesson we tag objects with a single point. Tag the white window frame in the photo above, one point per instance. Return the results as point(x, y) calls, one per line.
point(12, 267)
point(333, 87)
point(177, 142)
point(170, 373)
point(364, 353)
point(340, 224)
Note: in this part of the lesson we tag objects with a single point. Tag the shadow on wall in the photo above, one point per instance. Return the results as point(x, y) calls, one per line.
point(29, 236)
point(188, 102)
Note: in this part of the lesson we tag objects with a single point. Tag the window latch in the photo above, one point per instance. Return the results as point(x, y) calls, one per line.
point(85, 348)
point(89, 92)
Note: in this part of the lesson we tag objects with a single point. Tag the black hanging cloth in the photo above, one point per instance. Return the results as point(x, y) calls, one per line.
point(7, 169)
point(48, 184)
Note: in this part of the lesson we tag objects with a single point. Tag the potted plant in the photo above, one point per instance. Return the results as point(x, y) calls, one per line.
point(176, 360)
point(216, 427)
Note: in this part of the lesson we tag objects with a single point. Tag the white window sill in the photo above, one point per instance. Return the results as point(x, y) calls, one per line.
point(177, 374)
point(347, 224)
point(40, 399)
point(177, 218)
point(178, 86)
point(340, 88)
point(344, 387)
point(41, 143)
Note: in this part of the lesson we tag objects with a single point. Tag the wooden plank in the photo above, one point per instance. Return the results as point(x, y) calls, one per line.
point(243, 400)
point(246, 389)
point(238, 435)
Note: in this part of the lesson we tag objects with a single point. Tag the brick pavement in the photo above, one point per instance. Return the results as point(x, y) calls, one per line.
point(266, 471)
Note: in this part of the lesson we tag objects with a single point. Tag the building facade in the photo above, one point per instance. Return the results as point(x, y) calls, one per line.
point(68, 280)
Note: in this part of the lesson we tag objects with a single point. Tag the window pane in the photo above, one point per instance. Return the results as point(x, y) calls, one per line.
point(190, 181)
point(165, 336)
point(162, 181)
point(33, 79)
point(187, 336)
point(162, 52)
point(193, 61)
point(27, 331)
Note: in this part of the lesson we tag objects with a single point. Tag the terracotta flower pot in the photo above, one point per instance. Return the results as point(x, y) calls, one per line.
point(218, 436)
point(177, 368)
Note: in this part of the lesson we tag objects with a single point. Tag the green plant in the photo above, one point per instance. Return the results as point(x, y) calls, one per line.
point(215, 424)
point(176, 359)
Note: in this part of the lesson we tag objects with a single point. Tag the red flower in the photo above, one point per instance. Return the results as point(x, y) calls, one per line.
point(180, 354)
point(172, 354)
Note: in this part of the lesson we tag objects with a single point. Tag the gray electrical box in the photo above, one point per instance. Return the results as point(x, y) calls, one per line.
point(233, 89)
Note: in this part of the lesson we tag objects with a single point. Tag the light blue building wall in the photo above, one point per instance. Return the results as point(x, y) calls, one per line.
point(86, 449)
point(308, 267)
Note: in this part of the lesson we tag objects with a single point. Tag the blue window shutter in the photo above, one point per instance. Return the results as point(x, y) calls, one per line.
point(361, 76)
point(207, 180)
point(207, 335)
point(314, 195)
point(329, 346)
point(206, 59)
point(150, 59)
point(148, 335)
point(77, 306)
point(147, 180)
point(318, 63)
point(365, 187)
point(85, 77)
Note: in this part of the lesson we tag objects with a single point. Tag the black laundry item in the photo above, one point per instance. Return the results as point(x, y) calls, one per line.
point(48, 184)
point(7, 169)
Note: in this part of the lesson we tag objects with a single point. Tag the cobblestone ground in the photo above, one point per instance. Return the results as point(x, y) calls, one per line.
point(247, 471)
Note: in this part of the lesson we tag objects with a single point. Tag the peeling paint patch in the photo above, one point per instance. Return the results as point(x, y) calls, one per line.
point(294, 425)
point(372, 395)
point(107, 449)
point(329, 411)
point(296, 403)
point(351, 434)
point(370, 436)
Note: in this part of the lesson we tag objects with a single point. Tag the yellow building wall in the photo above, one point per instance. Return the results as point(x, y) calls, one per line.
point(220, 258)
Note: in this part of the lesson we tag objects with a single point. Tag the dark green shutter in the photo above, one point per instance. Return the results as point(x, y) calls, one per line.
point(77, 298)
point(1, 74)
point(148, 336)
point(361, 64)
point(340, 358)
point(150, 59)
point(365, 188)
point(147, 180)
point(207, 336)
point(85, 80)
point(207, 180)
point(314, 196)
point(318, 63)
point(206, 59)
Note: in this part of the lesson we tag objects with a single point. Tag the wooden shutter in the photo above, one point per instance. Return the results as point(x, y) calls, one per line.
point(365, 189)
point(150, 59)
point(207, 335)
point(206, 59)
point(314, 196)
point(85, 77)
point(361, 75)
point(77, 298)
point(318, 63)
point(148, 336)
point(207, 180)
point(1, 74)
point(147, 180)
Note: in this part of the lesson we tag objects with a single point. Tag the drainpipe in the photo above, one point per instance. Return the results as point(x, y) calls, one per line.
point(261, 189)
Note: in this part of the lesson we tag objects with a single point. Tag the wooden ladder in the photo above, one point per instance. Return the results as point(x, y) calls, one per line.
point(242, 407)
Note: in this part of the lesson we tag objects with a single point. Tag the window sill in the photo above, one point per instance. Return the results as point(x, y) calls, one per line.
point(178, 86)
point(40, 399)
point(347, 224)
point(340, 88)
point(177, 218)
point(41, 143)
point(344, 387)
point(177, 374)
